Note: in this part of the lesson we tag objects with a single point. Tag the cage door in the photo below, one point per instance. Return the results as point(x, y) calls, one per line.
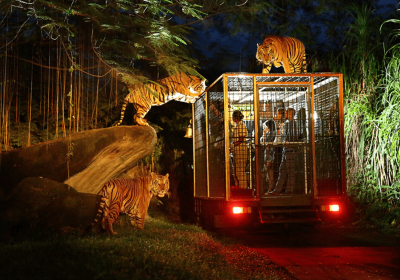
point(284, 140)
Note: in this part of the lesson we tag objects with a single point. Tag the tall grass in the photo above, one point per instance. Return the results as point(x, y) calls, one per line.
point(382, 161)
point(372, 119)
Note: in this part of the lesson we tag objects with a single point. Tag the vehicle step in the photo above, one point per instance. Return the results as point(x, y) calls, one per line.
point(283, 221)
point(286, 210)
point(288, 215)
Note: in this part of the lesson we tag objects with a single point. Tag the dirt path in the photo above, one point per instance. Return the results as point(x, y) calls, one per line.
point(327, 251)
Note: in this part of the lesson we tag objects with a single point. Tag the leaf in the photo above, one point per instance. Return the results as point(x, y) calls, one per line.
point(95, 5)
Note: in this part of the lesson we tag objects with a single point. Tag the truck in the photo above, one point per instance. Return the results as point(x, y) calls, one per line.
point(289, 166)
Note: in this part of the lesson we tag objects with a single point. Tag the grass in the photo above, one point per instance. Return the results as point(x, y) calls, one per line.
point(163, 250)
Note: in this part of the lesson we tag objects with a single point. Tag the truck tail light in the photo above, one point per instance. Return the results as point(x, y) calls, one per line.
point(241, 210)
point(330, 208)
point(334, 208)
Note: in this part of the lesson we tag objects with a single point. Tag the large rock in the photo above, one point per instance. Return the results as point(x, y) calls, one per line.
point(44, 206)
point(85, 160)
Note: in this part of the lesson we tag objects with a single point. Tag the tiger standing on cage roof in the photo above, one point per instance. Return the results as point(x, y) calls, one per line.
point(282, 51)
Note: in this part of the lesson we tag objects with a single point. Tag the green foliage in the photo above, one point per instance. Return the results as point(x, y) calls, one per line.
point(115, 28)
point(377, 204)
point(372, 114)
point(160, 36)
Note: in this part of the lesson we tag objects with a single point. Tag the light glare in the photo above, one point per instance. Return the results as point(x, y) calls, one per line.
point(334, 208)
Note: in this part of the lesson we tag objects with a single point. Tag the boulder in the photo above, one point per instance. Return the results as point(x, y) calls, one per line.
point(84, 160)
point(43, 206)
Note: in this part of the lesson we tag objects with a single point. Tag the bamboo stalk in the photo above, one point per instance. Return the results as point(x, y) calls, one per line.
point(30, 109)
point(78, 98)
point(97, 102)
point(57, 86)
point(70, 105)
point(48, 99)
point(63, 100)
point(3, 105)
point(87, 103)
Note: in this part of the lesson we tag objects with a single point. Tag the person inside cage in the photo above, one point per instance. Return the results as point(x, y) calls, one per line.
point(272, 176)
point(302, 125)
point(239, 150)
point(288, 163)
point(280, 125)
point(269, 133)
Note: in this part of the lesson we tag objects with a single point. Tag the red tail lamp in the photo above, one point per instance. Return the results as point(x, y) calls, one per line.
point(331, 208)
point(241, 210)
point(334, 208)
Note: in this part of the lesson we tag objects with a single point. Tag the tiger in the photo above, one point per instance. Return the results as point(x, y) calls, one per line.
point(180, 87)
point(286, 51)
point(131, 197)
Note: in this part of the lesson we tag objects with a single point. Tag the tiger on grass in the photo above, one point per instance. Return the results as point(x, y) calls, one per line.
point(286, 51)
point(131, 197)
point(180, 87)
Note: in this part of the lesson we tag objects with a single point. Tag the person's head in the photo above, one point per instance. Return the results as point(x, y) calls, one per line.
point(237, 116)
point(280, 115)
point(264, 125)
point(290, 112)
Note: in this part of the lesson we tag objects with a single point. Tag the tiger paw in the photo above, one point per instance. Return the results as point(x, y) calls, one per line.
point(141, 121)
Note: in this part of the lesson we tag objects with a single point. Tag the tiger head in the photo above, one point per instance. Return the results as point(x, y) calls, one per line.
point(187, 88)
point(272, 51)
point(196, 85)
point(159, 184)
point(267, 52)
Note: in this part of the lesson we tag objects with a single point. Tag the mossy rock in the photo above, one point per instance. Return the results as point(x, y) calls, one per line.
point(43, 206)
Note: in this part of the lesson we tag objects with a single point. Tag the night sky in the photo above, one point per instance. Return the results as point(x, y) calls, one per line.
point(221, 52)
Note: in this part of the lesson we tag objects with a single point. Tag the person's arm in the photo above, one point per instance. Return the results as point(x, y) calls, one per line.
point(286, 132)
point(242, 133)
point(240, 141)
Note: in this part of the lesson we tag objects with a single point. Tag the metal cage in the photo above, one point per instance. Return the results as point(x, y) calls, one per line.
point(293, 137)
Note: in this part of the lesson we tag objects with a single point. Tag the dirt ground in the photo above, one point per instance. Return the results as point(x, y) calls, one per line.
point(327, 251)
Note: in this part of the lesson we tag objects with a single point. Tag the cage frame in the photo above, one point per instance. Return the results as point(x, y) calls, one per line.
point(259, 200)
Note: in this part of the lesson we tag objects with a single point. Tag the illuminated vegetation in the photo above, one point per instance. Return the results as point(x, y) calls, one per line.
point(372, 114)
point(61, 61)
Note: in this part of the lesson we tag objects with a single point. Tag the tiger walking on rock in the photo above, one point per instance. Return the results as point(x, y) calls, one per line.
point(131, 197)
point(180, 87)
